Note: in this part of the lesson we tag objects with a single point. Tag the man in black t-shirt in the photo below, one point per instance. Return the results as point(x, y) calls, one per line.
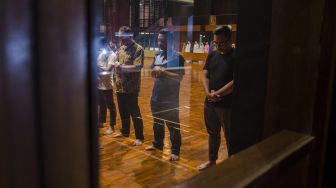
point(218, 86)
point(167, 70)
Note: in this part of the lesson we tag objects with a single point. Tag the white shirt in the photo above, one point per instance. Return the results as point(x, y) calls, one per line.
point(104, 60)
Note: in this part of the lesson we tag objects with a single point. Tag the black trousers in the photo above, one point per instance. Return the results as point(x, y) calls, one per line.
point(105, 100)
point(215, 119)
point(169, 115)
point(128, 107)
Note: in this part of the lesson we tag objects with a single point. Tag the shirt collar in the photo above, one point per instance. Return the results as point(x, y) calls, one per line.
point(129, 46)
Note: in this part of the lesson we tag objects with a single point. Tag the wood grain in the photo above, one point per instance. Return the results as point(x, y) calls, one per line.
point(122, 165)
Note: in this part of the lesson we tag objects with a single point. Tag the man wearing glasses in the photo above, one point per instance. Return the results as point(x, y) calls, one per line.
point(129, 63)
point(218, 86)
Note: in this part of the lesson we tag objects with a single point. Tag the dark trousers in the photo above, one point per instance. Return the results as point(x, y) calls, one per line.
point(105, 99)
point(215, 119)
point(163, 113)
point(128, 106)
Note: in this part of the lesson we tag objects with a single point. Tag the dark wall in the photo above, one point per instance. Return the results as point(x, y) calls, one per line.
point(116, 14)
point(299, 75)
point(226, 11)
point(20, 165)
point(201, 8)
point(215, 7)
point(45, 134)
point(330, 164)
point(220, 7)
point(253, 43)
point(293, 65)
point(283, 76)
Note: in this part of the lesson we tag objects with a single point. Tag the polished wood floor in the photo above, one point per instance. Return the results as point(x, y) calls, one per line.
point(123, 165)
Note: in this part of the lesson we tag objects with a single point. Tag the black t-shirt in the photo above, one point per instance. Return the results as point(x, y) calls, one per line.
point(166, 90)
point(220, 73)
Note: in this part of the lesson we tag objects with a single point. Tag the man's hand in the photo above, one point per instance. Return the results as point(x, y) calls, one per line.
point(117, 66)
point(213, 96)
point(157, 71)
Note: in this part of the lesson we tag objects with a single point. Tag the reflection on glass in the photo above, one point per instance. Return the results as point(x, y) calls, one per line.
point(165, 82)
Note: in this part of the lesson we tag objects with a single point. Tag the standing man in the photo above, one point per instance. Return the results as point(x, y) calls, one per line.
point(105, 62)
point(167, 70)
point(218, 87)
point(129, 63)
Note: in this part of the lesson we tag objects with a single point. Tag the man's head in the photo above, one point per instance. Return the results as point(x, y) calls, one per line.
point(125, 34)
point(102, 42)
point(165, 39)
point(112, 44)
point(222, 38)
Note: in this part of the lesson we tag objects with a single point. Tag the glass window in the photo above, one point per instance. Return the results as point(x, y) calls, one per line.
point(154, 112)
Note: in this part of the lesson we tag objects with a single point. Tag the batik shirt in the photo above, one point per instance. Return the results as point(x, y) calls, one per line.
point(129, 82)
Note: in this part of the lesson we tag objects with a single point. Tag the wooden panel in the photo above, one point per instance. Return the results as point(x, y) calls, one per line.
point(194, 56)
point(290, 98)
point(122, 165)
point(324, 106)
point(197, 28)
point(149, 54)
point(63, 63)
point(246, 167)
point(19, 162)
point(250, 73)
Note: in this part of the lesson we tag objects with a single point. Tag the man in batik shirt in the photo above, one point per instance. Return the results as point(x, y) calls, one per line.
point(130, 60)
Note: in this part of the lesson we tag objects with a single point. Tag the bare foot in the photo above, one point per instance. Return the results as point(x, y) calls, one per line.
point(206, 165)
point(174, 157)
point(138, 142)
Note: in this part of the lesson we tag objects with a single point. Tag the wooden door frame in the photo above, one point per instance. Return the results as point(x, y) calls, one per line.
point(47, 134)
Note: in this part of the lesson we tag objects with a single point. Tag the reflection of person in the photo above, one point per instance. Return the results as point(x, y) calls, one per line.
point(167, 70)
point(130, 60)
point(196, 47)
point(184, 45)
point(218, 86)
point(206, 48)
point(212, 47)
point(188, 47)
point(105, 62)
point(201, 48)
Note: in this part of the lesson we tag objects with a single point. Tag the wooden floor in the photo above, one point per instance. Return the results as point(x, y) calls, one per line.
point(123, 165)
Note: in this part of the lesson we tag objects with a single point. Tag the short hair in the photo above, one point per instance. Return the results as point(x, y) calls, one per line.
point(223, 30)
point(169, 35)
point(126, 31)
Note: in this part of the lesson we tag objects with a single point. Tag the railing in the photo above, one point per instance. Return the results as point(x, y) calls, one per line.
point(253, 164)
point(149, 54)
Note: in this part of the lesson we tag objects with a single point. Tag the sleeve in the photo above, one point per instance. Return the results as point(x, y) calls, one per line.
point(112, 59)
point(138, 58)
point(101, 60)
point(153, 63)
point(207, 63)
